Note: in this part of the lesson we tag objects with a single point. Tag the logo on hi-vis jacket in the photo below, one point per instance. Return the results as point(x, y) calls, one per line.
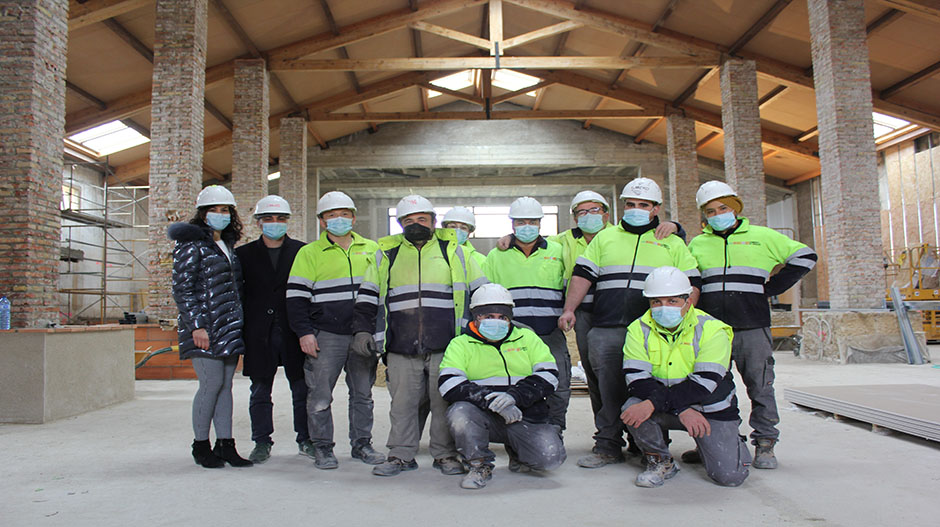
point(654, 242)
point(519, 348)
point(745, 243)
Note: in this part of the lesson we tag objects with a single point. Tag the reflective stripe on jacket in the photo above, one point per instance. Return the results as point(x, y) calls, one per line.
point(688, 367)
point(520, 365)
point(324, 282)
point(574, 244)
point(736, 266)
point(424, 293)
point(617, 261)
point(537, 282)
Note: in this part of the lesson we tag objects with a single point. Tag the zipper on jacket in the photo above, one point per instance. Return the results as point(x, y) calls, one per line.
point(349, 262)
point(420, 310)
point(724, 278)
point(636, 249)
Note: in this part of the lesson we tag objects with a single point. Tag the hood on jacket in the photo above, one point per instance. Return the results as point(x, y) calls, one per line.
point(187, 232)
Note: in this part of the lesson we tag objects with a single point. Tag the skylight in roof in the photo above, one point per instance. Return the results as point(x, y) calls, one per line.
point(109, 138)
point(885, 124)
point(514, 81)
point(456, 82)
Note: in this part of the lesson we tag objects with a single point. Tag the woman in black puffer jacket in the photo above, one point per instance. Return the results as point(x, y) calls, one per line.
point(207, 287)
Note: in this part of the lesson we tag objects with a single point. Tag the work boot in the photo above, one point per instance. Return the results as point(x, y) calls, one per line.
point(514, 464)
point(367, 454)
point(323, 457)
point(225, 450)
point(306, 448)
point(692, 457)
point(260, 453)
point(658, 470)
point(449, 466)
point(202, 454)
point(480, 473)
point(598, 459)
point(394, 466)
point(764, 454)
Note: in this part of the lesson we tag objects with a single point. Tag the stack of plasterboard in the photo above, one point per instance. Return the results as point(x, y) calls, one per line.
point(910, 408)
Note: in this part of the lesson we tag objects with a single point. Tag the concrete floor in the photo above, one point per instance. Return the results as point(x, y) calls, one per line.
point(131, 464)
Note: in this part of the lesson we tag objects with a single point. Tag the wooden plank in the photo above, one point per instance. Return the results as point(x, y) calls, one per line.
point(453, 93)
point(539, 34)
point(522, 91)
point(130, 39)
point(707, 140)
point(809, 134)
point(882, 21)
point(496, 26)
point(771, 96)
point(462, 63)
point(806, 176)
point(83, 14)
point(86, 96)
point(117, 109)
point(495, 115)
point(452, 34)
point(646, 131)
point(929, 9)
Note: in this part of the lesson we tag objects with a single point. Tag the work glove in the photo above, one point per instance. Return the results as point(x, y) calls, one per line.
point(511, 414)
point(363, 345)
point(500, 401)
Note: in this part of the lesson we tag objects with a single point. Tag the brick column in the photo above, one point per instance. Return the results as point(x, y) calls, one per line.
point(740, 119)
point(293, 182)
point(34, 34)
point(847, 153)
point(250, 141)
point(177, 112)
point(683, 173)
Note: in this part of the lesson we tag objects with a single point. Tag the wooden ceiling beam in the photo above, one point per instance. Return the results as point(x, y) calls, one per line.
point(707, 140)
point(806, 176)
point(482, 115)
point(451, 34)
point(539, 34)
point(86, 96)
point(882, 21)
point(929, 9)
point(771, 96)
point(129, 38)
point(344, 53)
point(647, 129)
point(316, 136)
point(506, 96)
point(912, 80)
point(496, 27)
point(453, 93)
point(490, 63)
point(83, 14)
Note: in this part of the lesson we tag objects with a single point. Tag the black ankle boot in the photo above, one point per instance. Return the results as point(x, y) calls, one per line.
point(202, 454)
point(225, 450)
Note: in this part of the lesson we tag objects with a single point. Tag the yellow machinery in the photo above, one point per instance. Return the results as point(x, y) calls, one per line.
point(916, 273)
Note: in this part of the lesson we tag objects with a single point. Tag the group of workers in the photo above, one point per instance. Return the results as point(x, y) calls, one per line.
point(477, 342)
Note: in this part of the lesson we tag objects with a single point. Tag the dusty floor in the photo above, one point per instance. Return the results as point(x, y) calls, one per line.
point(131, 464)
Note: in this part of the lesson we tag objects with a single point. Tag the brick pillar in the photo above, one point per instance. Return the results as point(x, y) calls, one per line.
point(250, 141)
point(847, 153)
point(177, 112)
point(293, 182)
point(683, 173)
point(740, 119)
point(34, 34)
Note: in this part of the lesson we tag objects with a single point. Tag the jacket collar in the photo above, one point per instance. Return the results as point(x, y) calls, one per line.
point(642, 228)
point(324, 241)
point(540, 243)
point(689, 320)
point(470, 329)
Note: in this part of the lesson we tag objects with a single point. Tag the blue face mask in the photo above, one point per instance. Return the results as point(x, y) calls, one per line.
point(462, 236)
point(722, 222)
point(636, 217)
point(217, 220)
point(591, 223)
point(667, 316)
point(493, 328)
point(339, 226)
point(274, 230)
point(527, 233)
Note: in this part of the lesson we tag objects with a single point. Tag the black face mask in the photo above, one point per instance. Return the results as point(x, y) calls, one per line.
point(417, 233)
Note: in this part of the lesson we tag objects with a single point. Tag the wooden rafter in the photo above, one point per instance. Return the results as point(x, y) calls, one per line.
point(506, 96)
point(929, 9)
point(452, 34)
point(771, 96)
point(83, 14)
point(493, 115)
point(647, 129)
point(809, 134)
point(490, 63)
point(707, 140)
point(806, 176)
point(882, 21)
point(496, 26)
point(453, 93)
point(85, 95)
point(539, 34)
point(912, 80)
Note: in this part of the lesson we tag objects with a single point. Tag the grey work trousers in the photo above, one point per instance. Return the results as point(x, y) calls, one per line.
point(558, 400)
point(321, 374)
point(537, 445)
point(752, 353)
point(412, 378)
point(724, 452)
point(213, 401)
point(607, 364)
point(582, 325)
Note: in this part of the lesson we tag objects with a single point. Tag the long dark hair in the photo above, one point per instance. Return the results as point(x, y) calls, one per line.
point(230, 234)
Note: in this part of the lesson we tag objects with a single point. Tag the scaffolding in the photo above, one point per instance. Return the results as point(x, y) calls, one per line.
point(113, 272)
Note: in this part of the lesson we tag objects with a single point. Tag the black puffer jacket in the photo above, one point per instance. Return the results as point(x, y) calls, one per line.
point(208, 292)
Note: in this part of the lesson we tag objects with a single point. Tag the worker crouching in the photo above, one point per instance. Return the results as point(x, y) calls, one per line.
point(497, 377)
point(676, 363)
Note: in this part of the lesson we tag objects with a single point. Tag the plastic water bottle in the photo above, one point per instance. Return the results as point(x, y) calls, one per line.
point(4, 312)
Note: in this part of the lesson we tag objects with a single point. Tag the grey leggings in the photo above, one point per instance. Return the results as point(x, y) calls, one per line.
point(213, 400)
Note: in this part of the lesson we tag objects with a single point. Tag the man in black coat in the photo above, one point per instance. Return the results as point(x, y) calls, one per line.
point(269, 341)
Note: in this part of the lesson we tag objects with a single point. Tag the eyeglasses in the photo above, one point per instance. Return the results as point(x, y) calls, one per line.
point(593, 210)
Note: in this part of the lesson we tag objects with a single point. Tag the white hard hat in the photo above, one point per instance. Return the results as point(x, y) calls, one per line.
point(526, 208)
point(491, 294)
point(586, 196)
point(462, 215)
point(215, 195)
point(712, 190)
point(642, 188)
point(413, 204)
point(666, 281)
point(272, 204)
point(335, 200)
